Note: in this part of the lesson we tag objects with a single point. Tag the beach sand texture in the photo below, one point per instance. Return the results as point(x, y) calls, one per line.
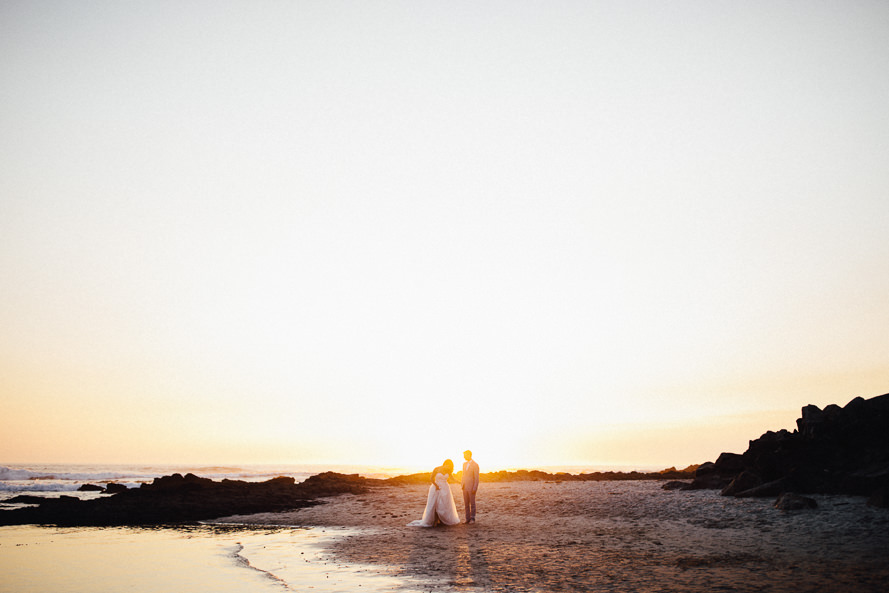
point(609, 536)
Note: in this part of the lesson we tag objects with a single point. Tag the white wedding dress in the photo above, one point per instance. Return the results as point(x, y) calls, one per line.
point(440, 501)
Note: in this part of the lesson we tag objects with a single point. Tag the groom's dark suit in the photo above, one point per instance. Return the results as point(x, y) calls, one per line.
point(470, 485)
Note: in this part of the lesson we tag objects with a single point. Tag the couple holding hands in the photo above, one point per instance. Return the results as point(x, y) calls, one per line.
point(440, 507)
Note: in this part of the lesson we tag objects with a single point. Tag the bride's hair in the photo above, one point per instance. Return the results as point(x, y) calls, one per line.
point(448, 463)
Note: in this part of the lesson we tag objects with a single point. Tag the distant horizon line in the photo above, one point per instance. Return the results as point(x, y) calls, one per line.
point(338, 467)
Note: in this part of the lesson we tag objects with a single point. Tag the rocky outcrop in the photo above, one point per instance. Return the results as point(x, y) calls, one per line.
point(524, 475)
point(879, 498)
point(90, 488)
point(676, 485)
point(794, 502)
point(742, 483)
point(184, 499)
point(832, 451)
point(718, 475)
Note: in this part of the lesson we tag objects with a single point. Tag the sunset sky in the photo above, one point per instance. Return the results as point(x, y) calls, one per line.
point(557, 233)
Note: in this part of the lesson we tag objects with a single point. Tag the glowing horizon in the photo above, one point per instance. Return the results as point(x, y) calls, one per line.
point(589, 233)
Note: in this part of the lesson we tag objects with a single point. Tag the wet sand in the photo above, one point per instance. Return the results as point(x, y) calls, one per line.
point(608, 536)
point(184, 559)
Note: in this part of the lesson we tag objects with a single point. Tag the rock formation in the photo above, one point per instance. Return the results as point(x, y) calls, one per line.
point(90, 488)
point(112, 488)
point(794, 502)
point(182, 499)
point(832, 451)
point(524, 475)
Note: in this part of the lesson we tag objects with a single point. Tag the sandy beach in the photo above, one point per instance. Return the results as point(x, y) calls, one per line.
point(607, 536)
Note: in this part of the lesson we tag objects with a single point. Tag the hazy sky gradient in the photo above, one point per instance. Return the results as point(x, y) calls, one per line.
point(383, 232)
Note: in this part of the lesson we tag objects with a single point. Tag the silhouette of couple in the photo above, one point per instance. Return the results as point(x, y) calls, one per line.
point(440, 507)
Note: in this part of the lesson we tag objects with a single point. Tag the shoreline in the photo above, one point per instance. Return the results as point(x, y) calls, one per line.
point(600, 535)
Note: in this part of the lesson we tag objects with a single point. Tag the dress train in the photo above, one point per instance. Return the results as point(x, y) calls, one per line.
point(440, 502)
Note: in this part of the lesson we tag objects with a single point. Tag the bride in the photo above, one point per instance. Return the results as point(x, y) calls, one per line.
point(440, 507)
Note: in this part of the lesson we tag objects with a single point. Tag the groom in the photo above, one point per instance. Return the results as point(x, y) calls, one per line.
point(470, 485)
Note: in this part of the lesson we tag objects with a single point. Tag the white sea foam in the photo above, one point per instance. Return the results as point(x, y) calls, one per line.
point(38, 487)
point(60, 473)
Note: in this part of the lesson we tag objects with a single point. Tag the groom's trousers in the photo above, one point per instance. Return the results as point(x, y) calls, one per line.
point(469, 504)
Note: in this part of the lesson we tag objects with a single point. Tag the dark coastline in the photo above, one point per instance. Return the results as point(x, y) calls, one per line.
point(178, 499)
point(524, 475)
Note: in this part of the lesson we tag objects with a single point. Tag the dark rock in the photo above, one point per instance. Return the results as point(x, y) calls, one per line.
point(541, 476)
point(678, 474)
point(112, 488)
point(746, 480)
point(879, 499)
point(677, 485)
point(25, 499)
point(709, 482)
point(810, 421)
point(834, 450)
point(178, 482)
point(185, 499)
point(89, 488)
point(773, 488)
point(794, 502)
point(716, 476)
point(706, 468)
point(867, 480)
point(328, 484)
point(729, 463)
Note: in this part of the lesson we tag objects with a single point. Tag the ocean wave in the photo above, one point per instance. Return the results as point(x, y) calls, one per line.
point(9, 474)
point(47, 486)
point(38, 487)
